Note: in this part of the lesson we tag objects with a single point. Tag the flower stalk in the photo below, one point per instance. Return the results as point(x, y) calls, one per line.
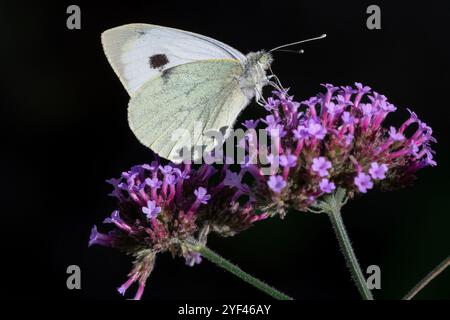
point(427, 279)
point(332, 206)
point(230, 267)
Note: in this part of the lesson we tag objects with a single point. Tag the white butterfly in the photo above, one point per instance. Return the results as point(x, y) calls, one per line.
point(184, 82)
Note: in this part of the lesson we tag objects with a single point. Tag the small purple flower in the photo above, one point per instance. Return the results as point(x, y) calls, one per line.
point(202, 195)
point(377, 171)
point(277, 131)
point(348, 90)
point(367, 109)
point(183, 175)
point(270, 121)
point(311, 102)
point(301, 132)
point(348, 139)
point(334, 108)
point(429, 158)
point(347, 118)
point(232, 179)
point(153, 182)
point(117, 220)
point(170, 179)
point(326, 186)
point(276, 183)
point(273, 159)
point(413, 115)
point(363, 182)
point(166, 169)
point(394, 135)
point(250, 124)
point(361, 88)
point(288, 160)
point(193, 259)
point(272, 104)
point(99, 238)
point(387, 107)
point(321, 166)
point(151, 210)
point(316, 130)
point(330, 88)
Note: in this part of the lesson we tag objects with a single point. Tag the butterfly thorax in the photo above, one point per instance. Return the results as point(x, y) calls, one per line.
point(254, 77)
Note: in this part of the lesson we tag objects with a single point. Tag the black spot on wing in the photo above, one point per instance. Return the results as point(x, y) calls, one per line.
point(157, 61)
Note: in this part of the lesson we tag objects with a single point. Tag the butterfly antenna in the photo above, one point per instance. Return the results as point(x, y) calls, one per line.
point(297, 42)
point(292, 51)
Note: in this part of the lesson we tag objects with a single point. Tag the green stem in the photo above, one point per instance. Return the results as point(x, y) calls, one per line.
point(430, 276)
point(227, 265)
point(349, 254)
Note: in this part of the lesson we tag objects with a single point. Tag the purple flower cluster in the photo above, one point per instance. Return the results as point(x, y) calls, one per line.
point(160, 206)
point(333, 140)
point(337, 139)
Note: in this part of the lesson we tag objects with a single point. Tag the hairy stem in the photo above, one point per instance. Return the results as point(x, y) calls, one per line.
point(227, 265)
point(430, 276)
point(349, 254)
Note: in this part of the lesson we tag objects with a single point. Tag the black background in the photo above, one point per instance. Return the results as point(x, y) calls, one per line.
point(65, 131)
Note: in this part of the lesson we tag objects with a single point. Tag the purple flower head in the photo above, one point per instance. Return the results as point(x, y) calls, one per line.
point(276, 183)
point(316, 130)
point(153, 182)
point(321, 165)
point(378, 172)
point(394, 135)
point(363, 182)
point(326, 186)
point(202, 195)
point(288, 160)
point(151, 210)
point(334, 139)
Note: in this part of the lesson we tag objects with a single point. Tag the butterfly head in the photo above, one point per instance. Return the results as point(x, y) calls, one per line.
point(262, 59)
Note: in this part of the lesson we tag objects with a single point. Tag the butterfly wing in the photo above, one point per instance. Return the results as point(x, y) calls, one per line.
point(139, 52)
point(175, 110)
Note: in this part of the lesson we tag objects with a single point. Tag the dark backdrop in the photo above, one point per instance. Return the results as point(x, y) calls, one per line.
point(65, 131)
